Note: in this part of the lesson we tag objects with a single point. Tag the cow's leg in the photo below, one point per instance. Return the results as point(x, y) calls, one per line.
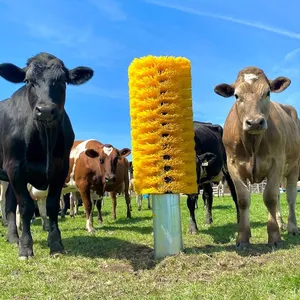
point(113, 196)
point(18, 219)
point(63, 208)
point(72, 204)
point(149, 202)
point(128, 204)
point(279, 219)
point(88, 206)
point(139, 199)
point(52, 206)
point(26, 208)
point(204, 199)
point(208, 192)
point(99, 208)
point(291, 194)
point(270, 196)
point(43, 213)
point(191, 203)
point(10, 210)
point(243, 197)
point(232, 191)
point(3, 202)
point(76, 202)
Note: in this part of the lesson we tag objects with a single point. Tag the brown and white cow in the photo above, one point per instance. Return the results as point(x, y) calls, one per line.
point(262, 140)
point(93, 168)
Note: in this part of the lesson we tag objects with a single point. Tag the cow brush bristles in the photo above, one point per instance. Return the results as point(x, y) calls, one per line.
point(163, 147)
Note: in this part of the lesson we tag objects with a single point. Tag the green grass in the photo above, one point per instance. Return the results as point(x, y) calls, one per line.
point(117, 262)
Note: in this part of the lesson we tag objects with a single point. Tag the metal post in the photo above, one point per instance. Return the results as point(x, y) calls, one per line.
point(167, 225)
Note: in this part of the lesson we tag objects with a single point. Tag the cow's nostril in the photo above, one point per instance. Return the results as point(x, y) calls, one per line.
point(249, 122)
point(38, 109)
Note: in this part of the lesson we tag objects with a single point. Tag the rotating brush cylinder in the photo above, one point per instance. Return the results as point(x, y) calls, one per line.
point(163, 146)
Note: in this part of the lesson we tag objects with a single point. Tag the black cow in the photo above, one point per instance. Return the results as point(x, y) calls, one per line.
point(36, 137)
point(210, 164)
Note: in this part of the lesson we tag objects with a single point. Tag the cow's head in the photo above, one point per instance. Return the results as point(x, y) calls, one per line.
point(46, 77)
point(203, 161)
point(252, 92)
point(108, 157)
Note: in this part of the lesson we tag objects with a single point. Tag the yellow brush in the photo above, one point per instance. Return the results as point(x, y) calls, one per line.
point(163, 153)
point(163, 147)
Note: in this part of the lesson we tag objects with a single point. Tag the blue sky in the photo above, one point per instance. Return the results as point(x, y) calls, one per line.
point(219, 37)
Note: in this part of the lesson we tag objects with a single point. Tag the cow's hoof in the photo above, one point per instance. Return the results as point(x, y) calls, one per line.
point(23, 257)
point(91, 230)
point(26, 253)
point(57, 254)
point(56, 249)
point(13, 239)
point(242, 246)
point(193, 230)
point(283, 227)
point(276, 244)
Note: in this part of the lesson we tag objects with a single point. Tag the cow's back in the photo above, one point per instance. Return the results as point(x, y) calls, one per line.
point(208, 138)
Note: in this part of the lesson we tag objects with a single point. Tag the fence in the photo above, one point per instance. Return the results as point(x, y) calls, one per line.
point(222, 189)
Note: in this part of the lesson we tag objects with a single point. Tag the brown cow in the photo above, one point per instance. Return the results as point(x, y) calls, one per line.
point(121, 185)
point(262, 140)
point(93, 168)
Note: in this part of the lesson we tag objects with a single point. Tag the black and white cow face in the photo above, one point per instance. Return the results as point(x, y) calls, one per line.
point(45, 77)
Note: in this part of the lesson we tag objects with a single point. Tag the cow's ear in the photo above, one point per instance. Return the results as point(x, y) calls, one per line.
point(12, 73)
point(91, 153)
point(224, 90)
point(124, 152)
point(279, 84)
point(80, 75)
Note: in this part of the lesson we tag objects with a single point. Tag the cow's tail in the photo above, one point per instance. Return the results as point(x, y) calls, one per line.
point(232, 189)
point(3, 176)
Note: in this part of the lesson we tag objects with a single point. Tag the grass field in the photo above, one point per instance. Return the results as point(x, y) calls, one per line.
point(117, 262)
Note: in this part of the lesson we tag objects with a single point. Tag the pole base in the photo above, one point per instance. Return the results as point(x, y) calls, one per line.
point(167, 225)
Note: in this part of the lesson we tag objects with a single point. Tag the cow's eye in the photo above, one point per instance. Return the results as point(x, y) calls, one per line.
point(29, 82)
point(236, 96)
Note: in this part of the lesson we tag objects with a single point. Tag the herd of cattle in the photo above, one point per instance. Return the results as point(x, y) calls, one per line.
point(39, 159)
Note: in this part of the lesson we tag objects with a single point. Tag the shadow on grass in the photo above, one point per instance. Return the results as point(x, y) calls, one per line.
point(225, 233)
point(288, 242)
point(222, 206)
point(142, 230)
point(141, 257)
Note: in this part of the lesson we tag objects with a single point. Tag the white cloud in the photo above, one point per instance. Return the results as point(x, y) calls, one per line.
point(258, 25)
point(111, 9)
point(292, 55)
point(289, 66)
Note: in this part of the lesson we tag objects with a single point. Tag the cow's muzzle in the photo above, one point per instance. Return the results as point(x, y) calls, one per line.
point(255, 126)
point(46, 113)
point(110, 179)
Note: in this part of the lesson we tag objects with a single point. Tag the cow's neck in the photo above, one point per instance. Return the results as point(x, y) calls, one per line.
point(48, 137)
point(252, 144)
